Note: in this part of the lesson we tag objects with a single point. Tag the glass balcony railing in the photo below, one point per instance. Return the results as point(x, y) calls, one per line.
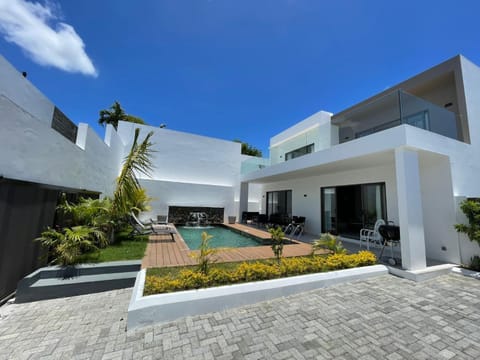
point(392, 110)
point(254, 164)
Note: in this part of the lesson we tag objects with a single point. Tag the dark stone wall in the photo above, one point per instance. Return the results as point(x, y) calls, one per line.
point(180, 214)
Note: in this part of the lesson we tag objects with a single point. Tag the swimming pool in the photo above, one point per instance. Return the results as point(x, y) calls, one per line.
point(222, 237)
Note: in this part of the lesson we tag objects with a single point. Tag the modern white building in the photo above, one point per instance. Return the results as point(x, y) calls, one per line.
point(44, 154)
point(408, 155)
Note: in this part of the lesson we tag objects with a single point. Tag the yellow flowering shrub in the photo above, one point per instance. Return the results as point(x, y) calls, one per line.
point(257, 271)
point(194, 279)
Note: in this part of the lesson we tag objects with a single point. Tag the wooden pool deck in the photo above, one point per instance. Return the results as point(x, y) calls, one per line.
point(162, 251)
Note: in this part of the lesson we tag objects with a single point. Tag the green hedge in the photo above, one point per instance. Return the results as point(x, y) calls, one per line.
point(191, 279)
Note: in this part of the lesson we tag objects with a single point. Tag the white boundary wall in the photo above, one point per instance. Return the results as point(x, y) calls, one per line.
point(33, 151)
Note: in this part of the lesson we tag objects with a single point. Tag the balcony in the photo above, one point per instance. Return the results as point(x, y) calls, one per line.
point(394, 109)
point(253, 164)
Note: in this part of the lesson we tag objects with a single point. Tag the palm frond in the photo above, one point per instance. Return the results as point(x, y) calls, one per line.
point(138, 161)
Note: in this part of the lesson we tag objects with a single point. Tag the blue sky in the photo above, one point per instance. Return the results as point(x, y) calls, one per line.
point(244, 69)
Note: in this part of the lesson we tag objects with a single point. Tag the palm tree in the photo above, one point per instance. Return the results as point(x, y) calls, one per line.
point(138, 161)
point(115, 114)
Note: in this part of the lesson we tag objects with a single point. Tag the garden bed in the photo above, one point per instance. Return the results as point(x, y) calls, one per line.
point(147, 310)
point(169, 293)
point(163, 280)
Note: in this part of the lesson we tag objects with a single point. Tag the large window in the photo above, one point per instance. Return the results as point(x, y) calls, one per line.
point(347, 209)
point(279, 203)
point(299, 152)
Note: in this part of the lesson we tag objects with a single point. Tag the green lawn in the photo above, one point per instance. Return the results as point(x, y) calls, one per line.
point(123, 249)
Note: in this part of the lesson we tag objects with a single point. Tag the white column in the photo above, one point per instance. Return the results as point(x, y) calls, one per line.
point(243, 200)
point(412, 235)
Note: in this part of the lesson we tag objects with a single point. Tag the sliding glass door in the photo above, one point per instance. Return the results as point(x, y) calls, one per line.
point(347, 209)
point(279, 203)
point(329, 210)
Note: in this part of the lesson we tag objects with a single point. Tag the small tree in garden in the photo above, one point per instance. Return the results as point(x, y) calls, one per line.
point(330, 242)
point(277, 241)
point(471, 208)
point(69, 244)
point(205, 256)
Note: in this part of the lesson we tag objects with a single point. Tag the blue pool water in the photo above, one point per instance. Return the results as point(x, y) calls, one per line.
point(222, 237)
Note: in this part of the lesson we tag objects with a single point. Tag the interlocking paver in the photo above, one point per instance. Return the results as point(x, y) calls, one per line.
point(380, 318)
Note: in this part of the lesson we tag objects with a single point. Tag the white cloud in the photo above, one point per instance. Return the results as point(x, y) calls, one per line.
point(37, 29)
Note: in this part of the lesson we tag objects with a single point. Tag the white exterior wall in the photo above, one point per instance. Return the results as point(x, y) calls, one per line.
point(171, 193)
point(310, 206)
point(33, 151)
point(190, 170)
point(441, 240)
point(315, 129)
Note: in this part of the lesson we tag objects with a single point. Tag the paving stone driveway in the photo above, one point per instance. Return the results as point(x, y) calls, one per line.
point(382, 318)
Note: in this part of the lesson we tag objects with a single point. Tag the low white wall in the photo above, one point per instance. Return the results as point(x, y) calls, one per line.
point(148, 310)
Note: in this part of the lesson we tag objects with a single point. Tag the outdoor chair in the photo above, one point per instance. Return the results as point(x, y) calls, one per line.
point(372, 235)
point(151, 228)
point(161, 220)
point(295, 228)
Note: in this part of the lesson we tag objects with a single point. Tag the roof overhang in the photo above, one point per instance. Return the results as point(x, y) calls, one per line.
point(369, 151)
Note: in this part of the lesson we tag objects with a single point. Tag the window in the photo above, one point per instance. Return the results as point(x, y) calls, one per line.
point(419, 120)
point(299, 152)
point(279, 203)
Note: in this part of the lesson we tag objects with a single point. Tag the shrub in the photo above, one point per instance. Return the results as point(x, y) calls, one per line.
point(191, 279)
point(256, 271)
point(471, 208)
point(475, 263)
point(330, 242)
point(67, 245)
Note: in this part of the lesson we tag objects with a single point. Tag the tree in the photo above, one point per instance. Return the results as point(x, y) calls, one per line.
point(128, 189)
point(115, 114)
point(248, 149)
point(277, 241)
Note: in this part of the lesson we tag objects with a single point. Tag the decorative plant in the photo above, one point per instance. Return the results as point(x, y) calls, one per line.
point(277, 241)
point(471, 208)
point(67, 245)
point(206, 254)
point(475, 263)
point(128, 194)
point(89, 212)
point(330, 242)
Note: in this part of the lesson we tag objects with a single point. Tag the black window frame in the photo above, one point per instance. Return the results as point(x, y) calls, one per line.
point(301, 151)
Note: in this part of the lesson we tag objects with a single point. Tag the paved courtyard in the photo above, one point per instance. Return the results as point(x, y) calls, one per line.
point(381, 318)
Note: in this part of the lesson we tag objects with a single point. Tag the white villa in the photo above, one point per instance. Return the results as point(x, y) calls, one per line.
point(408, 155)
